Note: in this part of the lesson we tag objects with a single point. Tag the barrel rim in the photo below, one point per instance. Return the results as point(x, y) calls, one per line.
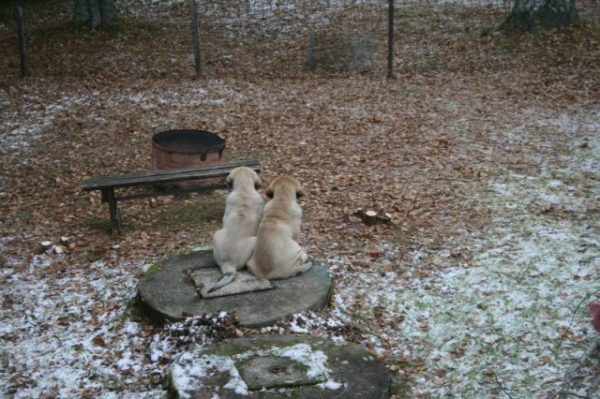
point(216, 142)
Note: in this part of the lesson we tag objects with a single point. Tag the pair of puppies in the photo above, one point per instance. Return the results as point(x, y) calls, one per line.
point(265, 240)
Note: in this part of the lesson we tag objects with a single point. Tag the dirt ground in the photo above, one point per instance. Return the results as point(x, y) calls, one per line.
point(480, 153)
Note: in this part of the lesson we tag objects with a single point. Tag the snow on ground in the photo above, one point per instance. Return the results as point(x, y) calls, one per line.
point(30, 122)
point(515, 311)
point(62, 339)
point(35, 118)
point(512, 316)
point(518, 310)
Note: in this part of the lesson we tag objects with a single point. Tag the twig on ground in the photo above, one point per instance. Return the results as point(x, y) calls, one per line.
point(572, 373)
point(574, 394)
point(585, 299)
point(500, 385)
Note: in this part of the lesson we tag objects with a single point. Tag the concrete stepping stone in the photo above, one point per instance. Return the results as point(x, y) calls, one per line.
point(276, 366)
point(168, 292)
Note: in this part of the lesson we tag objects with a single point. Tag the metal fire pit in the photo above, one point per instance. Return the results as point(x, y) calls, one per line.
point(184, 148)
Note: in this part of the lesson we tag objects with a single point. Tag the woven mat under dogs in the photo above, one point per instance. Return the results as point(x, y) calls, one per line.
point(204, 279)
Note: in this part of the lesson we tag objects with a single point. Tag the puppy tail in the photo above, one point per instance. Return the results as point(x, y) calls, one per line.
point(304, 267)
point(226, 279)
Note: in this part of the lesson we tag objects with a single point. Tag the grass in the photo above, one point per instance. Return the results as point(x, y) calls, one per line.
point(202, 211)
point(91, 253)
point(30, 7)
point(26, 217)
point(61, 33)
point(399, 384)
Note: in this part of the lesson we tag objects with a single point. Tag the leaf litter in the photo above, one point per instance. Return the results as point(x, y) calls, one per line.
point(478, 285)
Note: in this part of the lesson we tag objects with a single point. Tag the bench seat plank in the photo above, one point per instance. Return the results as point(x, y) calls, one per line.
point(165, 176)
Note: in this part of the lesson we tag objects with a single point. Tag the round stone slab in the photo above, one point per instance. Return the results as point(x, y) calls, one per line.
point(276, 366)
point(168, 292)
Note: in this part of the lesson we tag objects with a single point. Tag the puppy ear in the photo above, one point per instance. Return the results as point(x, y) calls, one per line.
point(229, 182)
point(299, 190)
point(270, 192)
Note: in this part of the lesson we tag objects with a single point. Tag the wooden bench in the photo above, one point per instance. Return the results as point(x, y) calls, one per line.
point(108, 184)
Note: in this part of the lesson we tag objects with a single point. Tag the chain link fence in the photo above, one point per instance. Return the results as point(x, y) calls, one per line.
point(292, 37)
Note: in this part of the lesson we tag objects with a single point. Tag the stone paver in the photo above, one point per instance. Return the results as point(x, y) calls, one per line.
point(169, 293)
point(279, 366)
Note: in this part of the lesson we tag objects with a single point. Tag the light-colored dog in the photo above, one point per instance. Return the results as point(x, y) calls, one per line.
point(234, 243)
point(277, 254)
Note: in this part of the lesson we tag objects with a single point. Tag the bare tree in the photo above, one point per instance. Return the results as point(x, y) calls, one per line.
point(94, 12)
point(530, 14)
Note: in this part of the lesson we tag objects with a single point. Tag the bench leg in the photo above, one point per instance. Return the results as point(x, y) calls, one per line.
point(108, 195)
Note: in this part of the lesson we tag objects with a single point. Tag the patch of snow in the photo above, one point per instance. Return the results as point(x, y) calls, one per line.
point(58, 336)
point(189, 367)
point(303, 353)
point(34, 120)
point(331, 385)
point(518, 309)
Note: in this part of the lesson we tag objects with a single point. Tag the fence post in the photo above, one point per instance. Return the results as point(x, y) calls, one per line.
point(312, 61)
point(194, 13)
point(21, 32)
point(390, 63)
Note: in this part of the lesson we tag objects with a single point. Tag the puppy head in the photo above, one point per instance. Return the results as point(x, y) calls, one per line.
point(240, 175)
point(284, 184)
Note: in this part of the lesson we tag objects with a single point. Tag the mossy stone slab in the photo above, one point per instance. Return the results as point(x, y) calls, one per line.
point(169, 293)
point(279, 366)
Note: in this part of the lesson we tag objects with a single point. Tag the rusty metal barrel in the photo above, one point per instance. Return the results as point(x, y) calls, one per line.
point(187, 148)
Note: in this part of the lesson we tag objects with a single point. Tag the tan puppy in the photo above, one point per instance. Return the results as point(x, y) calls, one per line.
point(234, 243)
point(277, 254)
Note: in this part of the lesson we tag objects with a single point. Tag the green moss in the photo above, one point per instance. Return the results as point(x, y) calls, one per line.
point(233, 350)
point(171, 390)
point(152, 269)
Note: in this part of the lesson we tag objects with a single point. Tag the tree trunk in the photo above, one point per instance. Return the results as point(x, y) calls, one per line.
point(94, 12)
point(528, 15)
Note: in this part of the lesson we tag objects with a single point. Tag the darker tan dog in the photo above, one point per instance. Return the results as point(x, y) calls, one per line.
point(234, 243)
point(277, 254)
